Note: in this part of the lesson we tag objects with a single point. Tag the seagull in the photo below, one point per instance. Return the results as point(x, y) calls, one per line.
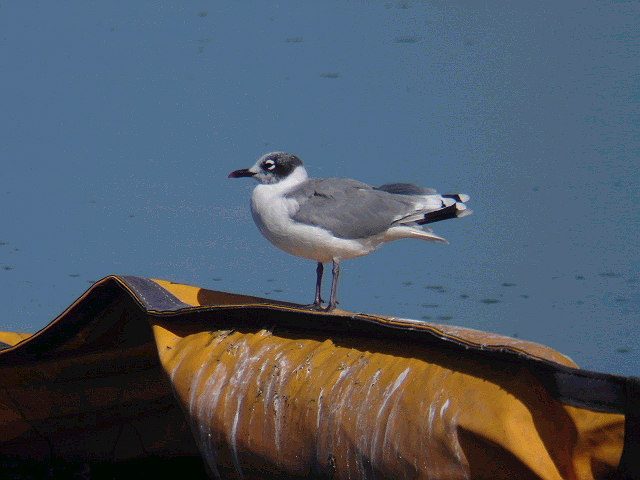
point(333, 219)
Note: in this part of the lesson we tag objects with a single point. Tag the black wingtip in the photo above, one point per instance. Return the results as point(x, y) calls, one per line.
point(443, 214)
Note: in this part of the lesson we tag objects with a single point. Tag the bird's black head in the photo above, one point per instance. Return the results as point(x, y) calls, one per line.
point(271, 168)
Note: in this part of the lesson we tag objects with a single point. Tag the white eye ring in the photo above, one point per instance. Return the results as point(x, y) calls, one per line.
point(270, 164)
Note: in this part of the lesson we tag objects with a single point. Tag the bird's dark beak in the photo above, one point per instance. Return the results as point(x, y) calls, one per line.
point(244, 172)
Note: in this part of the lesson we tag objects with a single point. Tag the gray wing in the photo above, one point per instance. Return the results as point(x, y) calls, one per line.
point(348, 208)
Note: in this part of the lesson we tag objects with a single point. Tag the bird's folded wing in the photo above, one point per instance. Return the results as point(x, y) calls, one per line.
point(347, 208)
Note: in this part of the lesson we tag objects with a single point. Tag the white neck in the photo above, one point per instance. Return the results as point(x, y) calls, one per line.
point(294, 179)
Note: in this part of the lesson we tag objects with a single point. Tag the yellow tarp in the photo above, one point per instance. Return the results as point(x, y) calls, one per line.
point(152, 369)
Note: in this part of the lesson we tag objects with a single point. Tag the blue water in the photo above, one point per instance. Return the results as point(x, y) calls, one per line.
point(120, 122)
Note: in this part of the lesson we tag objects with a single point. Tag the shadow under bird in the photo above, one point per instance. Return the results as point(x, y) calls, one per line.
point(332, 219)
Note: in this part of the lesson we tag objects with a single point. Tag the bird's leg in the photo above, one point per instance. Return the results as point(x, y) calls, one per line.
point(318, 300)
point(334, 285)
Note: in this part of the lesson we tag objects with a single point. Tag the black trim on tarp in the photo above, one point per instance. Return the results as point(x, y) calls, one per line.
point(629, 467)
point(152, 296)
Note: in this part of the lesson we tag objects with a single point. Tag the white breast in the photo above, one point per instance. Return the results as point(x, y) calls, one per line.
point(272, 213)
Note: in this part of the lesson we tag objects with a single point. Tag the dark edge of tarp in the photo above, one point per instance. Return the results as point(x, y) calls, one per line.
point(38, 346)
point(153, 296)
point(571, 386)
point(629, 466)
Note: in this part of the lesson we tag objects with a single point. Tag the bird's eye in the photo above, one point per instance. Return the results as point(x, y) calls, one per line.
point(269, 164)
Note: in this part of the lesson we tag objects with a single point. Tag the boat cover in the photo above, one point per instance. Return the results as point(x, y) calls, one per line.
point(141, 370)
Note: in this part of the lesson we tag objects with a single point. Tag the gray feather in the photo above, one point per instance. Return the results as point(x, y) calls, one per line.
point(347, 208)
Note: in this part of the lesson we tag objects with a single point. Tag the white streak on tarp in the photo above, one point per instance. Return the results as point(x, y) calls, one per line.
point(363, 428)
point(381, 421)
point(204, 407)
